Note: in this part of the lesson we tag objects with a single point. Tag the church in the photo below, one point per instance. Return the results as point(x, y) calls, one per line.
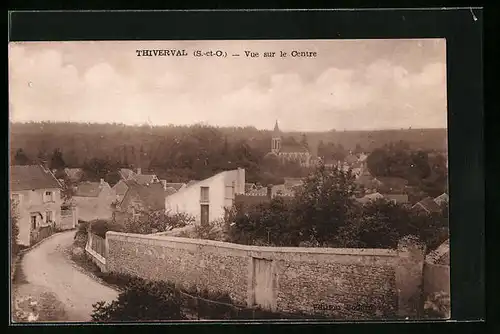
point(289, 150)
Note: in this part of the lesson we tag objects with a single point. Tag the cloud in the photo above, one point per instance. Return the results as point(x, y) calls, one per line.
point(312, 95)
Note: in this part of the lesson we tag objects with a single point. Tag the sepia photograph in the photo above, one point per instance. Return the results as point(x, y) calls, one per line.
point(198, 180)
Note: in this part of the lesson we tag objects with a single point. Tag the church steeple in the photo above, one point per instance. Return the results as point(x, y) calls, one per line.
point(276, 139)
point(276, 129)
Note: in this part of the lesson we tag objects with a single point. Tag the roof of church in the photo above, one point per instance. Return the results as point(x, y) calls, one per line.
point(293, 148)
point(276, 129)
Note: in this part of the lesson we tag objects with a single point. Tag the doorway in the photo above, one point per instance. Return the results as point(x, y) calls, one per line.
point(264, 283)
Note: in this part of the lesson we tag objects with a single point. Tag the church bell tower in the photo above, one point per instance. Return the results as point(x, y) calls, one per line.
point(276, 139)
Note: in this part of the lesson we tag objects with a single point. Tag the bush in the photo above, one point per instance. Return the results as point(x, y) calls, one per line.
point(143, 300)
point(214, 230)
point(14, 228)
point(100, 227)
point(437, 305)
point(157, 221)
point(323, 213)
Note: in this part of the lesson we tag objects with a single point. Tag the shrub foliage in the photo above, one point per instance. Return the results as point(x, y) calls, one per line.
point(324, 213)
point(143, 300)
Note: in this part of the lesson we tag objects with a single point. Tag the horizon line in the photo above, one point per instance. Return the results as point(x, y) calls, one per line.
point(145, 124)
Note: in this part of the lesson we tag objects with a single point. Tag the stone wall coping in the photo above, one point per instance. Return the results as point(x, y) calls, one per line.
point(435, 265)
point(143, 238)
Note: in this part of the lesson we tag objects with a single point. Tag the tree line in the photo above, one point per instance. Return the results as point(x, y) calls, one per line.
point(426, 172)
point(182, 153)
point(324, 213)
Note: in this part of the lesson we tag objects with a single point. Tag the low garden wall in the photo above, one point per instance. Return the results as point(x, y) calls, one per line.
point(346, 283)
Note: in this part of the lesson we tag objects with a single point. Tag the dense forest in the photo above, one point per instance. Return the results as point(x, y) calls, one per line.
point(181, 153)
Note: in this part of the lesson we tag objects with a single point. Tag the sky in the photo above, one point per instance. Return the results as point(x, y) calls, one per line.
point(349, 85)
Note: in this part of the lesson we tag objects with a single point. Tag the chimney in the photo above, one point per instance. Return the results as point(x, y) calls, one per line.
point(240, 183)
point(164, 184)
point(270, 191)
point(102, 182)
point(139, 171)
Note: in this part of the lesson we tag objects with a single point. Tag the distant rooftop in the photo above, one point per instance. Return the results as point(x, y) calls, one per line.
point(32, 177)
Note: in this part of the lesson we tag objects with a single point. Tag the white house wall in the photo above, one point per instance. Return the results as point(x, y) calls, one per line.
point(187, 200)
point(33, 201)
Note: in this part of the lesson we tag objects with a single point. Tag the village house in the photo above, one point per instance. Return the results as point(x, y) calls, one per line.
point(281, 190)
point(144, 179)
point(140, 197)
point(262, 195)
point(126, 173)
point(427, 205)
point(397, 198)
point(370, 198)
point(440, 255)
point(292, 183)
point(250, 187)
point(367, 182)
point(207, 200)
point(93, 200)
point(392, 185)
point(120, 189)
point(37, 196)
point(442, 199)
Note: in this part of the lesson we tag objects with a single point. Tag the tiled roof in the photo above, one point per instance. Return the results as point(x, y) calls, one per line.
point(88, 189)
point(440, 255)
point(175, 185)
point(442, 199)
point(258, 192)
point(399, 198)
point(120, 188)
point(144, 178)
point(281, 190)
point(152, 196)
point(429, 205)
point(370, 197)
point(32, 177)
point(393, 182)
point(350, 159)
point(249, 186)
point(291, 148)
point(126, 173)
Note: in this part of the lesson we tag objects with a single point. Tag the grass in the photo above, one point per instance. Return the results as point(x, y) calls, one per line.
point(35, 304)
point(89, 267)
point(19, 277)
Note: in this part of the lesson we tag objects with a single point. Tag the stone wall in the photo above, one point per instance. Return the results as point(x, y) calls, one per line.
point(436, 278)
point(345, 283)
point(69, 219)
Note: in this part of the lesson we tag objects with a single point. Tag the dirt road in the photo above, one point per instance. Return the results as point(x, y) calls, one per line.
point(48, 268)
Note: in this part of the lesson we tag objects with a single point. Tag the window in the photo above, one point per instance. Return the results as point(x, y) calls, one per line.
point(233, 185)
point(204, 195)
point(49, 196)
point(135, 213)
point(48, 217)
point(33, 221)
